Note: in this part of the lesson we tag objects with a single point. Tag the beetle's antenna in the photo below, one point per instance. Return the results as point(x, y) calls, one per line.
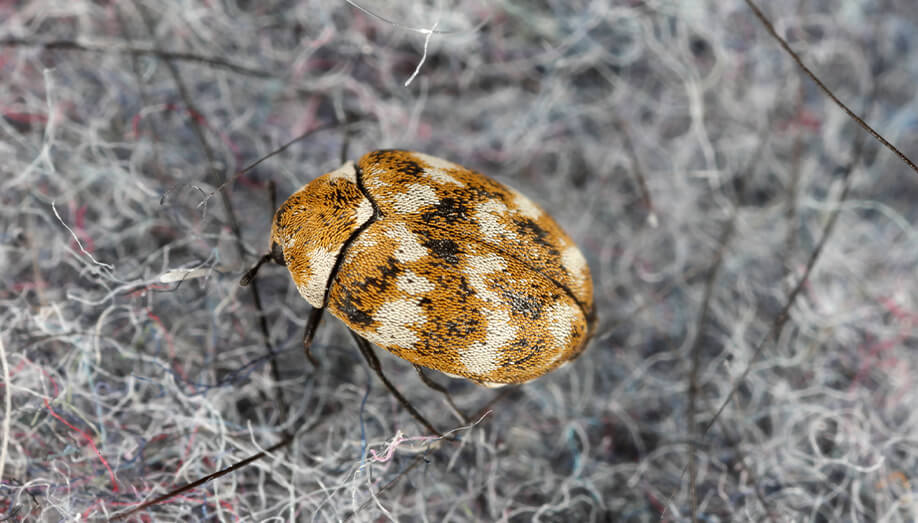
point(250, 274)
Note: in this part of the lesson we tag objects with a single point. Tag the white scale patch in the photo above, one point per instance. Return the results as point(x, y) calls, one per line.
point(478, 267)
point(373, 170)
point(481, 357)
point(410, 283)
point(364, 243)
point(441, 177)
point(394, 318)
point(572, 260)
point(363, 212)
point(321, 262)
point(346, 171)
point(372, 182)
point(525, 206)
point(416, 197)
point(437, 169)
point(561, 319)
point(409, 249)
point(487, 215)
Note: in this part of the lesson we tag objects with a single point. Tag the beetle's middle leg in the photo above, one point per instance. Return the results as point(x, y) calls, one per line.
point(373, 362)
point(442, 390)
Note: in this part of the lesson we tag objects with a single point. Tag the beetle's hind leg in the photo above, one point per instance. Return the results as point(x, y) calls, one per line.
point(442, 390)
point(373, 362)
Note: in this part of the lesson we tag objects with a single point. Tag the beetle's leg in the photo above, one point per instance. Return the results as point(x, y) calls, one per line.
point(314, 318)
point(250, 274)
point(373, 362)
point(442, 390)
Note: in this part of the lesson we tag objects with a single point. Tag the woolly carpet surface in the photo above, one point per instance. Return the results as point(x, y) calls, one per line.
point(753, 250)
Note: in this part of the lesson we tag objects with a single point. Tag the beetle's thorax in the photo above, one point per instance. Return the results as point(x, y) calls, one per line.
point(313, 226)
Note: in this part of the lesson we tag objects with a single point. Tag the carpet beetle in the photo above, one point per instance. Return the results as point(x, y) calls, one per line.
point(439, 265)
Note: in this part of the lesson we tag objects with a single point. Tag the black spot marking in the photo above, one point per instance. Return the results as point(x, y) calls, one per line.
point(531, 230)
point(446, 250)
point(398, 163)
point(450, 328)
point(410, 167)
point(383, 153)
point(466, 290)
point(527, 306)
point(521, 350)
point(449, 210)
point(340, 197)
point(349, 305)
point(479, 191)
point(388, 273)
point(464, 326)
point(456, 281)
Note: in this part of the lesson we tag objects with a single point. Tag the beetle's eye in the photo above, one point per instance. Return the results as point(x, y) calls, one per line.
point(277, 254)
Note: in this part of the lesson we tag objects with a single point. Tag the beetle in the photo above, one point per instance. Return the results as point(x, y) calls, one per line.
point(439, 265)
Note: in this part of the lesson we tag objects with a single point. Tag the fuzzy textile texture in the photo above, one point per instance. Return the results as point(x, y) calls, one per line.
point(681, 147)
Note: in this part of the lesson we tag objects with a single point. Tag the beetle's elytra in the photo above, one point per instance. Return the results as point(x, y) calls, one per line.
point(439, 265)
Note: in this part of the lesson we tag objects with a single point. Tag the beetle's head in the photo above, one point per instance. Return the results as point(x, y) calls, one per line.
point(310, 229)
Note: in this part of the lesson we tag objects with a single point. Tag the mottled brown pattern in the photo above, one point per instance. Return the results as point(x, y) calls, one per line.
point(456, 272)
point(538, 242)
point(321, 215)
point(454, 321)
